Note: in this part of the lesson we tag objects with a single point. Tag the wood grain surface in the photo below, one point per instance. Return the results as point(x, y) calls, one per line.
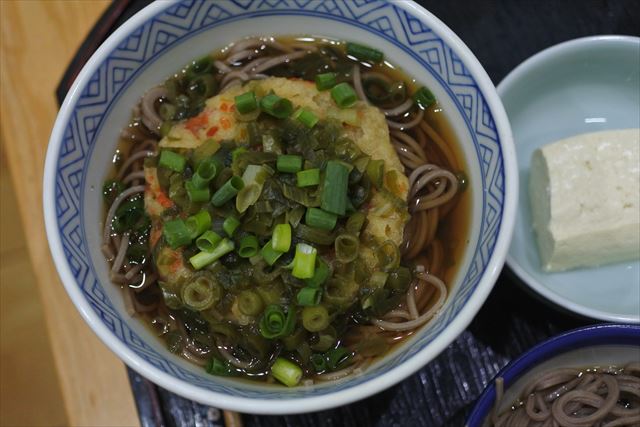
point(38, 39)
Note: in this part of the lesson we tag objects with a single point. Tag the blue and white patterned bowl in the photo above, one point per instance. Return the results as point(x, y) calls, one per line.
point(165, 35)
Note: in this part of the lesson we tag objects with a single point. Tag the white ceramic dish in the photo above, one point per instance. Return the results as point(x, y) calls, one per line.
point(579, 86)
point(158, 41)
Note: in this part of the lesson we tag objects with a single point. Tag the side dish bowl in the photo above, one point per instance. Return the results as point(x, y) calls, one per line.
point(591, 346)
point(158, 41)
point(579, 86)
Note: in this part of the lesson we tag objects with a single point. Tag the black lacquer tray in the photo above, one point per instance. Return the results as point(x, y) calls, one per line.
point(501, 34)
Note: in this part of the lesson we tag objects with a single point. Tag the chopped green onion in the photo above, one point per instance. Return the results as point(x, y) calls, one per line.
point(309, 297)
point(250, 303)
point(201, 294)
point(276, 106)
point(248, 246)
point(204, 151)
point(289, 163)
point(375, 172)
point(364, 53)
point(246, 102)
point(319, 362)
point(320, 275)
point(198, 223)
point(325, 81)
point(248, 196)
point(337, 358)
point(320, 219)
point(424, 98)
point(306, 117)
point(202, 259)
point(269, 254)
point(344, 95)
point(314, 235)
point(228, 190)
point(196, 195)
point(176, 233)
point(275, 323)
point(288, 373)
point(304, 261)
point(315, 319)
point(335, 187)
point(281, 238)
point(230, 224)
point(218, 367)
point(308, 177)
point(355, 222)
point(171, 160)
point(254, 178)
point(347, 246)
point(294, 216)
point(206, 171)
point(208, 241)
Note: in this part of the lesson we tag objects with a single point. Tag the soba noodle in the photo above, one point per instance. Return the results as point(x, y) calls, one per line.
point(571, 397)
point(434, 189)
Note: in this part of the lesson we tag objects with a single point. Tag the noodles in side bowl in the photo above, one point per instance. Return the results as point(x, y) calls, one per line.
point(575, 398)
point(250, 123)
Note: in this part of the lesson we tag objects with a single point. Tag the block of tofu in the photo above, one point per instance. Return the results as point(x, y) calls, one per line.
point(585, 199)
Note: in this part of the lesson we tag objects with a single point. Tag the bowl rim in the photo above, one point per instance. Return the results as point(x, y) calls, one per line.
point(593, 335)
point(508, 83)
point(304, 404)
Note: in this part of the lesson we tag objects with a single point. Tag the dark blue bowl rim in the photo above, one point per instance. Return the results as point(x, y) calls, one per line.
point(577, 338)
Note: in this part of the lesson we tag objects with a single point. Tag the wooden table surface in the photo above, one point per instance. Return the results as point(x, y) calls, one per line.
point(38, 39)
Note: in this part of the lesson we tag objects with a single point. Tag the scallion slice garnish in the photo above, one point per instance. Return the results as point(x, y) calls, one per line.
point(289, 163)
point(248, 246)
point(230, 225)
point(424, 98)
point(288, 373)
point(304, 261)
point(275, 323)
point(202, 259)
point(246, 103)
point(171, 160)
point(208, 241)
point(364, 53)
point(206, 171)
point(281, 238)
point(218, 367)
point(320, 275)
point(276, 106)
point(314, 319)
point(335, 187)
point(227, 192)
point(320, 219)
point(309, 177)
point(176, 233)
point(198, 223)
point(269, 254)
point(308, 297)
point(306, 117)
point(197, 194)
point(344, 95)
point(325, 81)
